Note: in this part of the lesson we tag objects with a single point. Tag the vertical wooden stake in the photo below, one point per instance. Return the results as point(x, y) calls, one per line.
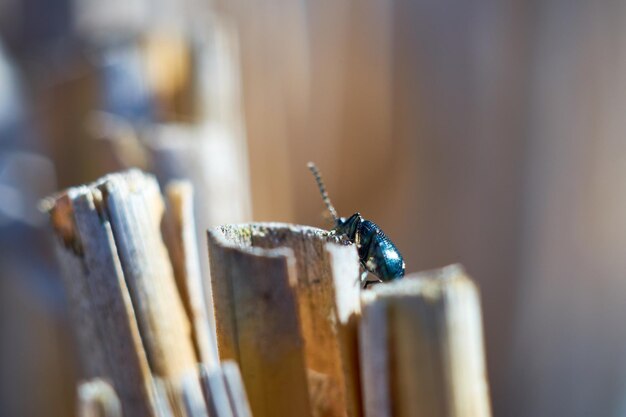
point(96, 398)
point(135, 207)
point(129, 317)
point(422, 347)
point(99, 301)
point(180, 238)
point(315, 314)
point(257, 325)
point(236, 390)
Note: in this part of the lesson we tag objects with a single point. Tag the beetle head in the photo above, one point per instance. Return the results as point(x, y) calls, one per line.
point(348, 226)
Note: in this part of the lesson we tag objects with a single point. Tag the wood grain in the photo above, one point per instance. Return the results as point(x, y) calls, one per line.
point(422, 347)
point(100, 302)
point(315, 279)
point(135, 207)
point(96, 398)
point(180, 238)
point(257, 325)
point(129, 318)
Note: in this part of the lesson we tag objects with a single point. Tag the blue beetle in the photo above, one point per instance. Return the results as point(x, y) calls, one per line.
point(377, 252)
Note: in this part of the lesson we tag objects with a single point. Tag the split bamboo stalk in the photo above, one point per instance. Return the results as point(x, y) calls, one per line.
point(99, 302)
point(215, 393)
point(422, 347)
point(130, 321)
point(181, 241)
point(236, 391)
point(214, 159)
point(257, 325)
point(193, 398)
point(135, 208)
point(96, 398)
point(286, 298)
point(224, 391)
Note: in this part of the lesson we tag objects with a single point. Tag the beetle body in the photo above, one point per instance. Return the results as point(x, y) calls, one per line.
point(377, 252)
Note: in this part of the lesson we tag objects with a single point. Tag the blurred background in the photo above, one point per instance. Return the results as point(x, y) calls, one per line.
point(491, 133)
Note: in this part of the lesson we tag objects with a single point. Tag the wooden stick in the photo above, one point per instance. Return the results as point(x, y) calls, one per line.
point(96, 398)
point(193, 397)
point(131, 320)
point(180, 239)
point(344, 264)
point(215, 392)
point(422, 347)
point(135, 207)
point(257, 325)
point(82, 311)
point(235, 389)
point(248, 270)
point(224, 391)
point(214, 160)
point(99, 299)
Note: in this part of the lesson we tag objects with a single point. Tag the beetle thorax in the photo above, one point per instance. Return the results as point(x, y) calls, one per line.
point(348, 226)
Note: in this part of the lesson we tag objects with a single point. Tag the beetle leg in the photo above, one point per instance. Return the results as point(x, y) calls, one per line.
point(360, 279)
point(363, 278)
point(366, 283)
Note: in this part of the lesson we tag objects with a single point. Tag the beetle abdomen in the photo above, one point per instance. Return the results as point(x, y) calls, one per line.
point(378, 253)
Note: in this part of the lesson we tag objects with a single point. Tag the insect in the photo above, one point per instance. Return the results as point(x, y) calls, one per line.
point(377, 252)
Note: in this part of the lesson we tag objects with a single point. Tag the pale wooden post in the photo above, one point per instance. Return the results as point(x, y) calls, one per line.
point(129, 318)
point(422, 347)
point(286, 301)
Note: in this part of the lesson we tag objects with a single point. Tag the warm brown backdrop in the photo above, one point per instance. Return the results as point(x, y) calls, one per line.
point(491, 133)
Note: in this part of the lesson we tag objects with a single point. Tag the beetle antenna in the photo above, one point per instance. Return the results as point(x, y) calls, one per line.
point(322, 187)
